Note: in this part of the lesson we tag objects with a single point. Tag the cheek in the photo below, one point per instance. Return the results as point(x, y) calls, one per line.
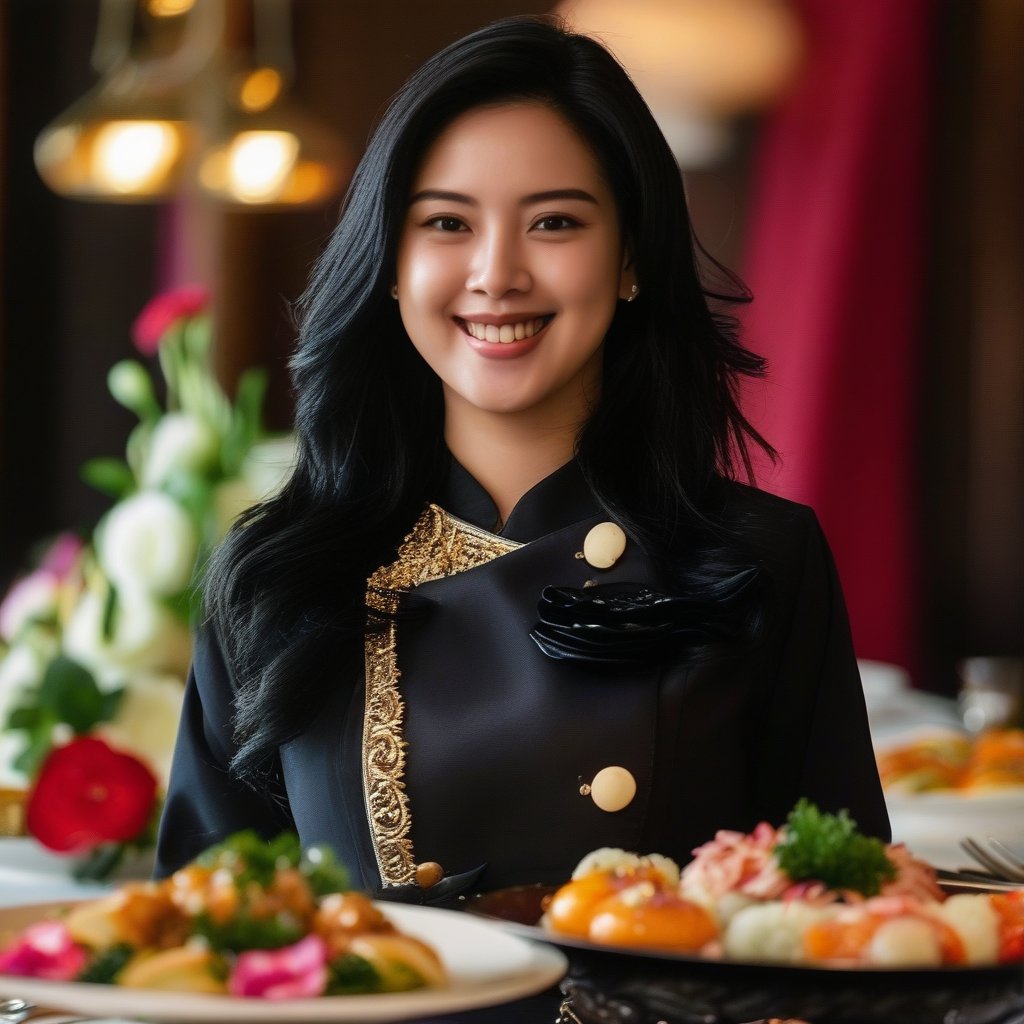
point(429, 278)
point(590, 279)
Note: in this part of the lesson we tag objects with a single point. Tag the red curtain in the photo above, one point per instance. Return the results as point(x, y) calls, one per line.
point(834, 260)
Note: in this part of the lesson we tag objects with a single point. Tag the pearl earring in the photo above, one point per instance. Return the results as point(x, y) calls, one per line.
point(634, 291)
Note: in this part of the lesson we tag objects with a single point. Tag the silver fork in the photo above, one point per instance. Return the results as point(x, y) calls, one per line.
point(997, 858)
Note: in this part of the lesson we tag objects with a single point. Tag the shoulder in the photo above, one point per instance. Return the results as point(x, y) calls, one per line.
point(761, 518)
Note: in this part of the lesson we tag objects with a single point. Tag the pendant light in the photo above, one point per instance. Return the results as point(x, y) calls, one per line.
point(128, 138)
point(698, 63)
point(264, 149)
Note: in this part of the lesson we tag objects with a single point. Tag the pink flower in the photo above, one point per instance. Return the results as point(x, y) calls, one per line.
point(289, 973)
point(165, 310)
point(44, 950)
point(63, 555)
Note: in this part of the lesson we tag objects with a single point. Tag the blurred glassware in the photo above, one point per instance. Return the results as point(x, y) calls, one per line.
point(991, 693)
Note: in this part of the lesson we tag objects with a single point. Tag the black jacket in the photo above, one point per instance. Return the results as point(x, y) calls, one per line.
point(497, 738)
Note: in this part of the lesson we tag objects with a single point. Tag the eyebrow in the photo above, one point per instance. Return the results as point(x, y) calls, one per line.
point(534, 197)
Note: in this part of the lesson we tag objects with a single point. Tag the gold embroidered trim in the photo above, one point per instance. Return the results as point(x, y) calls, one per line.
point(439, 545)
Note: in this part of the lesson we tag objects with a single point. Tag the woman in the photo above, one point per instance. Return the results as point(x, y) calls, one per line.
point(414, 652)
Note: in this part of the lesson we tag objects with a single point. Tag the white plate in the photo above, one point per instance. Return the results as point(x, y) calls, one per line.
point(933, 823)
point(486, 964)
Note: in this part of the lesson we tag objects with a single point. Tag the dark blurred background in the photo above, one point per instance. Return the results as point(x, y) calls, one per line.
point(74, 275)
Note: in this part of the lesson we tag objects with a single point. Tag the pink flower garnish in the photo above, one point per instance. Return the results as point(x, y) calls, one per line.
point(163, 311)
point(737, 862)
point(44, 950)
point(293, 972)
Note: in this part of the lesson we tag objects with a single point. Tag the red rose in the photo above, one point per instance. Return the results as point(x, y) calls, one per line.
point(87, 793)
point(163, 311)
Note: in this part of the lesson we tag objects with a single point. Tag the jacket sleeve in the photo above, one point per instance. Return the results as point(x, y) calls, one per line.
point(815, 742)
point(204, 803)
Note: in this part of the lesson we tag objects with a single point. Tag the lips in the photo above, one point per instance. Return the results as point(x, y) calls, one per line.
point(503, 330)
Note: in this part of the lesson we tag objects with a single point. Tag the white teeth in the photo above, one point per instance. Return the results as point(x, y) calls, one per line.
point(505, 333)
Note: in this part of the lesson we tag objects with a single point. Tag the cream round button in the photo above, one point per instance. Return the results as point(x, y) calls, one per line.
point(612, 788)
point(603, 545)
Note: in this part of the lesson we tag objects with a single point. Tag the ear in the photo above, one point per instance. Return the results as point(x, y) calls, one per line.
point(627, 280)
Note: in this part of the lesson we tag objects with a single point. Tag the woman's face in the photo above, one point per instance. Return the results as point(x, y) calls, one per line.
point(510, 264)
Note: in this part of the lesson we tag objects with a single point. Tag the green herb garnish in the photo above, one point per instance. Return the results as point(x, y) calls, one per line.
point(251, 858)
point(244, 932)
point(322, 871)
point(351, 975)
point(828, 848)
point(105, 968)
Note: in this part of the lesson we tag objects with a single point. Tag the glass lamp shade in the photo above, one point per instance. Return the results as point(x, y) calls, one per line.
point(106, 148)
point(275, 157)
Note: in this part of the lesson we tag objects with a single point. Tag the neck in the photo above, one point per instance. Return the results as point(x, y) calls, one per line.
point(506, 454)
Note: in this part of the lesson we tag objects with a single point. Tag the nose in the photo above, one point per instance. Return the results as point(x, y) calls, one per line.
point(498, 266)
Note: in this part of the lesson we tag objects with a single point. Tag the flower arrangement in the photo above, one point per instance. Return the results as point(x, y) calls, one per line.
point(95, 641)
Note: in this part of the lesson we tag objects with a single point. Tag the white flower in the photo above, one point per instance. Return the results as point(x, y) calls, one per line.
point(32, 598)
point(263, 473)
point(130, 385)
point(148, 543)
point(230, 499)
point(268, 465)
point(21, 667)
point(146, 723)
point(146, 636)
point(180, 441)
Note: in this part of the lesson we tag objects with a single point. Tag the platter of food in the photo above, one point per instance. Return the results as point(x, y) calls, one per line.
point(941, 785)
point(257, 932)
point(808, 920)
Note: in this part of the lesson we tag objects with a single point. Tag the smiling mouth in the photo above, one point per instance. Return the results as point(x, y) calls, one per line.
point(505, 334)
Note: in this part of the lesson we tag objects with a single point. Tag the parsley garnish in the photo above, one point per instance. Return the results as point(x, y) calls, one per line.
point(828, 848)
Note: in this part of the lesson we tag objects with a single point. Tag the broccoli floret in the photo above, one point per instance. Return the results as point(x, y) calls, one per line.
point(324, 874)
point(351, 975)
point(104, 968)
point(244, 932)
point(251, 858)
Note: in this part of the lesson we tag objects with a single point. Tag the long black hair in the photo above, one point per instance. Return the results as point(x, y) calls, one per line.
point(286, 590)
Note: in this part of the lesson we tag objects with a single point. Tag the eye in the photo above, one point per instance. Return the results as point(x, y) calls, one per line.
point(446, 223)
point(556, 222)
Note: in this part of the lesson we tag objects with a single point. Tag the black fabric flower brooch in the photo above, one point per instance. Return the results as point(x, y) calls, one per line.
point(622, 624)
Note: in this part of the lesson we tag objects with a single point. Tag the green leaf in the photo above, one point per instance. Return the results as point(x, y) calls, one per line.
point(246, 421)
point(99, 863)
point(137, 447)
point(70, 693)
point(108, 624)
point(188, 605)
point(109, 476)
point(24, 718)
point(40, 742)
point(828, 848)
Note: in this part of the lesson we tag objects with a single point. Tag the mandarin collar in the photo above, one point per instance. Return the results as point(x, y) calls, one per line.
point(560, 499)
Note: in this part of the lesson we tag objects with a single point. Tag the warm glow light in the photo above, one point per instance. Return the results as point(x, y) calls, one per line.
point(714, 56)
point(259, 164)
point(169, 8)
point(131, 156)
point(259, 89)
